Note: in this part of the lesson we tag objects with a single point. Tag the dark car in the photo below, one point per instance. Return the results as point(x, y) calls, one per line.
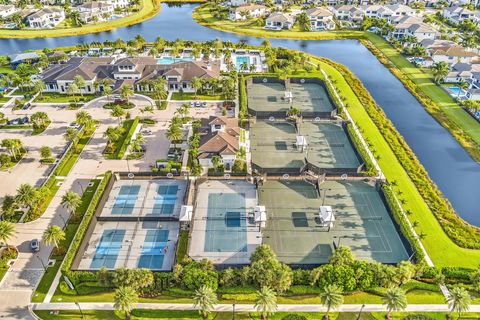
point(35, 245)
point(26, 106)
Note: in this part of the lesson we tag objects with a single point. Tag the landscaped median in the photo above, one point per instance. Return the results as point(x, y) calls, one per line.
point(149, 8)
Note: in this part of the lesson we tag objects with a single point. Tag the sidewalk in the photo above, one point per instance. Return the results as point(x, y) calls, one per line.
point(246, 307)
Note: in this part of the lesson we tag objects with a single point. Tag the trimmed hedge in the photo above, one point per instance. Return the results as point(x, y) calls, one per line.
point(242, 93)
point(82, 228)
point(128, 137)
point(370, 169)
point(461, 233)
point(400, 219)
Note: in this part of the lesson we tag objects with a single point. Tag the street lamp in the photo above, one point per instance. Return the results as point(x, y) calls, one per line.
point(43, 264)
point(81, 187)
point(233, 314)
point(78, 305)
point(64, 222)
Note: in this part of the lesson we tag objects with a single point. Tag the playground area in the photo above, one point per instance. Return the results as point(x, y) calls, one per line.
point(295, 231)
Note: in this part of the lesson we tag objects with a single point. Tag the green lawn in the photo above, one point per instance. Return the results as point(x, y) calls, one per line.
point(64, 168)
point(440, 248)
point(148, 9)
point(119, 147)
point(45, 283)
point(63, 98)
point(6, 69)
point(182, 246)
point(4, 99)
point(145, 314)
point(13, 163)
point(16, 127)
point(192, 96)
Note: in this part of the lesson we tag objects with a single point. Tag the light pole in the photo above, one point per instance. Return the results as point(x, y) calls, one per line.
point(360, 313)
point(43, 264)
point(233, 314)
point(81, 187)
point(324, 195)
point(78, 305)
point(64, 222)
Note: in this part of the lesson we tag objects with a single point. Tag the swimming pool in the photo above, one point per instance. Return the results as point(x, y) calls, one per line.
point(154, 249)
point(241, 60)
point(164, 203)
point(108, 248)
point(226, 223)
point(455, 91)
point(170, 60)
point(126, 198)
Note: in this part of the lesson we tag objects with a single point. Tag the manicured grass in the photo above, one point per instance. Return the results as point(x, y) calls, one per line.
point(182, 246)
point(69, 160)
point(6, 69)
point(121, 145)
point(63, 98)
point(4, 99)
point(439, 246)
point(16, 127)
point(3, 271)
point(14, 162)
point(192, 96)
point(149, 8)
point(45, 283)
point(37, 131)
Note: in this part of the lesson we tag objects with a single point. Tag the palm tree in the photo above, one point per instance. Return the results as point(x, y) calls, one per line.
point(25, 194)
point(204, 299)
point(126, 92)
point(39, 119)
point(83, 118)
point(71, 201)
point(39, 87)
point(117, 112)
point(53, 235)
point(440, 70)
point(395, 299)
point(80, 82)
point(303, 21)
point(125, 299)
point(70, 134)
point(266, 302)
point(196, 83)
point(7, 231)
point(174, 133)
point(458, 300)
point(331, 297)
point(216, 161)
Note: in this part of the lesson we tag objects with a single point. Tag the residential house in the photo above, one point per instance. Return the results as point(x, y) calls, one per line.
point(98, 10)
point(399, 10)
point(451, 54)
point(47, 17)
point(136, 72)
point(458, 14)
point(462, 71)
point(236, 3)
point(352, 14)
point(413, 26)
point(247, 11)
point(320, 19)
point(7, 10)
point(119, 4)
point(219, 136)
point(279, 21)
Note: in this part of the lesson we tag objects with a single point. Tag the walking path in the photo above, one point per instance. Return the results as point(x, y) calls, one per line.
point(246, 307)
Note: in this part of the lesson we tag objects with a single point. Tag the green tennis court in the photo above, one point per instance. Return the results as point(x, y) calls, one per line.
point(310, 97)
point(362, 223)
point(267, 97)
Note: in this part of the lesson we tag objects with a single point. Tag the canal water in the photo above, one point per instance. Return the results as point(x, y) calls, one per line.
point(449, 165)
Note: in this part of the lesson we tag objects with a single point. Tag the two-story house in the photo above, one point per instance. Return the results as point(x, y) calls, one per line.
point(279, 21)
point(320, 19)
point(47, 17)
point(95, 10)
point(247, 11)
point(457, 14)
point(7, 10)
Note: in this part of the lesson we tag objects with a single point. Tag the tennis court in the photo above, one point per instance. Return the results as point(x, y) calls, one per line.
point(267, 97)
point(222, 230)
point(136, 228)
point(328, 145)
point(272, 145)
point(311, 98)
point(362, 223)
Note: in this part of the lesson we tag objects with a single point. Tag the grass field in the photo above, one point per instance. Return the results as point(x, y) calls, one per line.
point(446, 254)
point(149, 8)
point(63, 98)
point(192, 96)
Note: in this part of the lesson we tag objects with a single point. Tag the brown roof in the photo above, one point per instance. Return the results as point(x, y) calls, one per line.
point(219, 142)
point(453, 51)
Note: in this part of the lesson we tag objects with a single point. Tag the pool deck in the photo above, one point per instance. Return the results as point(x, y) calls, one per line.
point(200, 231)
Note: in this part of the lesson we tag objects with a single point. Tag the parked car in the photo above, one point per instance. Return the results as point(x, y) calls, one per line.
point(147, 132)
point(26, 106)
point(35, 245)
point(198, 104)
point(74, 125)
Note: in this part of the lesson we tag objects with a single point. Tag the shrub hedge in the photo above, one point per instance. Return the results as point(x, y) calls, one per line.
point(128, 137)
point(462, 233)
point(82, 229)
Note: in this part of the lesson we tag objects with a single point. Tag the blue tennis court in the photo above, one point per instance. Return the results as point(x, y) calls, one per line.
point(226, 223)
point(165, 199)
point(154, 249)
point(107, 250)
point(126, 198)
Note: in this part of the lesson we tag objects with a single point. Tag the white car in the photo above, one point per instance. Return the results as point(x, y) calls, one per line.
point(74, 125)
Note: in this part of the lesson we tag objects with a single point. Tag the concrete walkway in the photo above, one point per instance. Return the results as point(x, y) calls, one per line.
point(246, 307)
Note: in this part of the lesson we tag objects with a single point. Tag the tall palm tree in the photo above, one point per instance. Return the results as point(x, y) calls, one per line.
point(53, 235)
point(174, 133)
point(331, 297)
point(71, 201)
point(25, 194)
point(395, 299)
point(7, 230)
point(83, 118)
point(266, 302)
point(458, 300)
point(70, 134)
point(118, 113)
point(440, 70)
point(196, 83)
point(125, 299)
point(204, 299)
